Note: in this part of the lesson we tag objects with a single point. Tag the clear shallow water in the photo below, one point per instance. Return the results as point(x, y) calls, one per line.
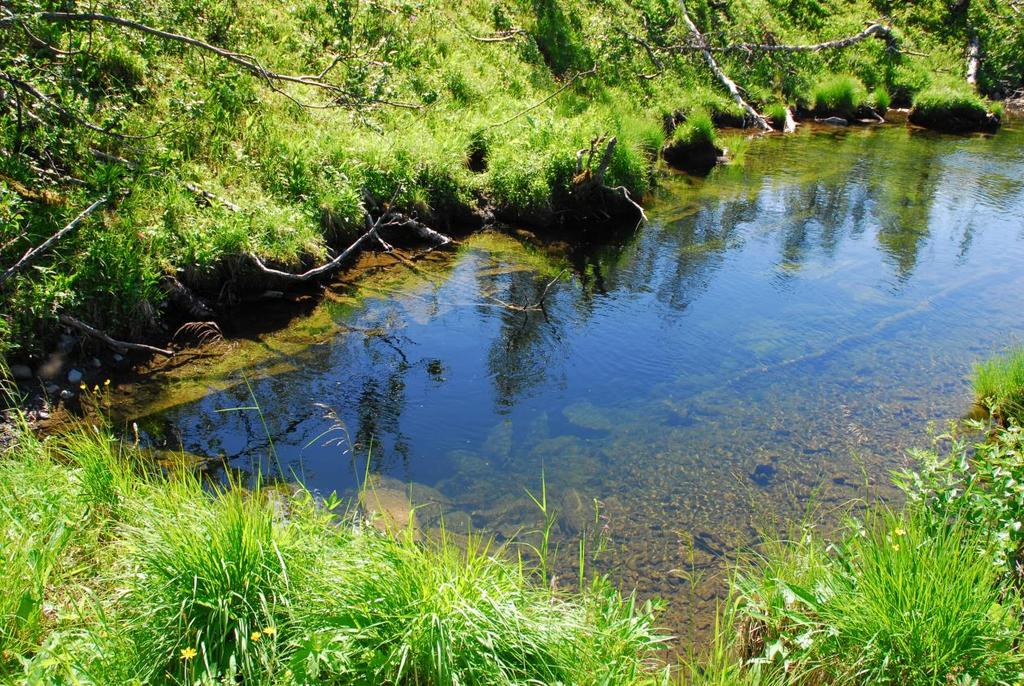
point(777, 335)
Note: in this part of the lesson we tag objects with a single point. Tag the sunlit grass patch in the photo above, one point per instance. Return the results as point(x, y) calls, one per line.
point(999, 383)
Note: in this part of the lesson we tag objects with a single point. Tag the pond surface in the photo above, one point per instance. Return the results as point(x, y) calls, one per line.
point(776, 336)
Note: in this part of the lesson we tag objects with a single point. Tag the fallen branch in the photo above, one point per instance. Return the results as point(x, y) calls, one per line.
point(120, 346)
point(501, 37)
point(327, 267)
point(210, 198)
point(702, 44)
point(625, 194)
point(576, 77)
point(973, 61)
point(31, 90)
point(396, 220)
point(206, 195)
point(879, 30)
point(33, 253)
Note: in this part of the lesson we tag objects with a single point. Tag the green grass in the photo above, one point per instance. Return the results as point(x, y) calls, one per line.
point(116, 574)
point(999, 383)
point(842, 95)
point(900, 598)
point(697, 130)
point(926, 594)
point(952, 107)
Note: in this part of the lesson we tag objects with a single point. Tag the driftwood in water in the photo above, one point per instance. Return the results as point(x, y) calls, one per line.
point(729, 84)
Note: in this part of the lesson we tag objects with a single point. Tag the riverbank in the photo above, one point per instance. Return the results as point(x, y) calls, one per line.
point(923, 593)
point(105, 583)
point(204, 177)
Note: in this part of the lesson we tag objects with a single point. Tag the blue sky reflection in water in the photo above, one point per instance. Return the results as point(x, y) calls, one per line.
point(787, 325)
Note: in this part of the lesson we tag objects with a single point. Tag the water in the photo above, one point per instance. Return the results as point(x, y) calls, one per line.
point(777, 336)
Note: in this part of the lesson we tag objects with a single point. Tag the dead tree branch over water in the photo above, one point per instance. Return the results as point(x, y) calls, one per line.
point(729, 84)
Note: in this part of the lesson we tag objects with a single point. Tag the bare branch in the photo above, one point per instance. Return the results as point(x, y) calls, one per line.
point(120, 346)
point(65, 113)
point(761, 122)
point(33, 253)
point(576, 77)
point(327, 267)
point(246, 62)
point(874, 30)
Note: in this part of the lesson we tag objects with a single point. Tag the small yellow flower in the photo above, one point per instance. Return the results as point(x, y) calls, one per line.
point(83, 387)
point(900, 532)
point(895, 546)
point(106, 383)
point(188, 653)
point(96, 388)
point(255, 636)
point(270, 630)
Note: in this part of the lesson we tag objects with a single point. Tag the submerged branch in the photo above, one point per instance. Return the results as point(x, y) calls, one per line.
point(120, 346)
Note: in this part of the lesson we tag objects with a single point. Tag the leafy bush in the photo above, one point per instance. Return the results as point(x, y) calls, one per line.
point(902, 598)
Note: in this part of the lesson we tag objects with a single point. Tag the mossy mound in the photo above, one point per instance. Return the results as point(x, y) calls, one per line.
point(952, 110)
point(692, 146)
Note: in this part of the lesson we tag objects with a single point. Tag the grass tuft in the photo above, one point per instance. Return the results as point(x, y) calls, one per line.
point(842, 95)
point(999, 384)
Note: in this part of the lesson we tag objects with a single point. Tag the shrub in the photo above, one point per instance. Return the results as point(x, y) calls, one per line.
point(841, 95)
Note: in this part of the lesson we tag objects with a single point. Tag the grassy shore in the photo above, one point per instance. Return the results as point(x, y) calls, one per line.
point(453, 112)
point(116, 573)
point(928, 593)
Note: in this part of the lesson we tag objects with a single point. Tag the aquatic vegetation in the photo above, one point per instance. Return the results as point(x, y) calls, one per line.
point(116, 573)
